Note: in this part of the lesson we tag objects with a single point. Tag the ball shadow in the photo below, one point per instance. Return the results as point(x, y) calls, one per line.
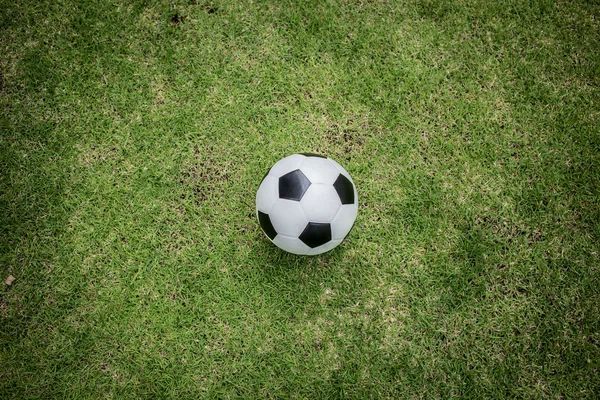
point(294, 279)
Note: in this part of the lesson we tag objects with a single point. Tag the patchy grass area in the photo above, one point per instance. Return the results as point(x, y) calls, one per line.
point(134, 137)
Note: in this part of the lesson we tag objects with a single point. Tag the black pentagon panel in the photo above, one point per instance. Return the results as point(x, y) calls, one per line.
point(312, 155)
point(266, 225)
point(316, 234)
point(293, 185)
point(344, 189)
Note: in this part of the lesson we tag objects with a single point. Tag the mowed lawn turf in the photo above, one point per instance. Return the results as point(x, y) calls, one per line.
point(134, 135)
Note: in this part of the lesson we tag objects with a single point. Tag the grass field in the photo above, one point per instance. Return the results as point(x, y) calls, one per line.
point(134, 135)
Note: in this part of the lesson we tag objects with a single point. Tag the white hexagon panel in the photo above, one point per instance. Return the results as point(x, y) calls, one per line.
point(318, 170)
point(321, 202)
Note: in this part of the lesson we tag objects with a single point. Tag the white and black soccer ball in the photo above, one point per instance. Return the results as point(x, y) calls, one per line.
point(306, 204)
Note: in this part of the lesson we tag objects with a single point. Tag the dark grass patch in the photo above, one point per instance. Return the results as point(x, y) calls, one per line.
point(176, 19)
point(347, 139)
point(207, 174)
point(210, 9)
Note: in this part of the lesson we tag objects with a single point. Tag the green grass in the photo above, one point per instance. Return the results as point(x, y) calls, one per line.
point(134, 137)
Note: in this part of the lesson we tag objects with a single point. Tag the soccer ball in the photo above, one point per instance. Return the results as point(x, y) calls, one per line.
point(306, 204)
